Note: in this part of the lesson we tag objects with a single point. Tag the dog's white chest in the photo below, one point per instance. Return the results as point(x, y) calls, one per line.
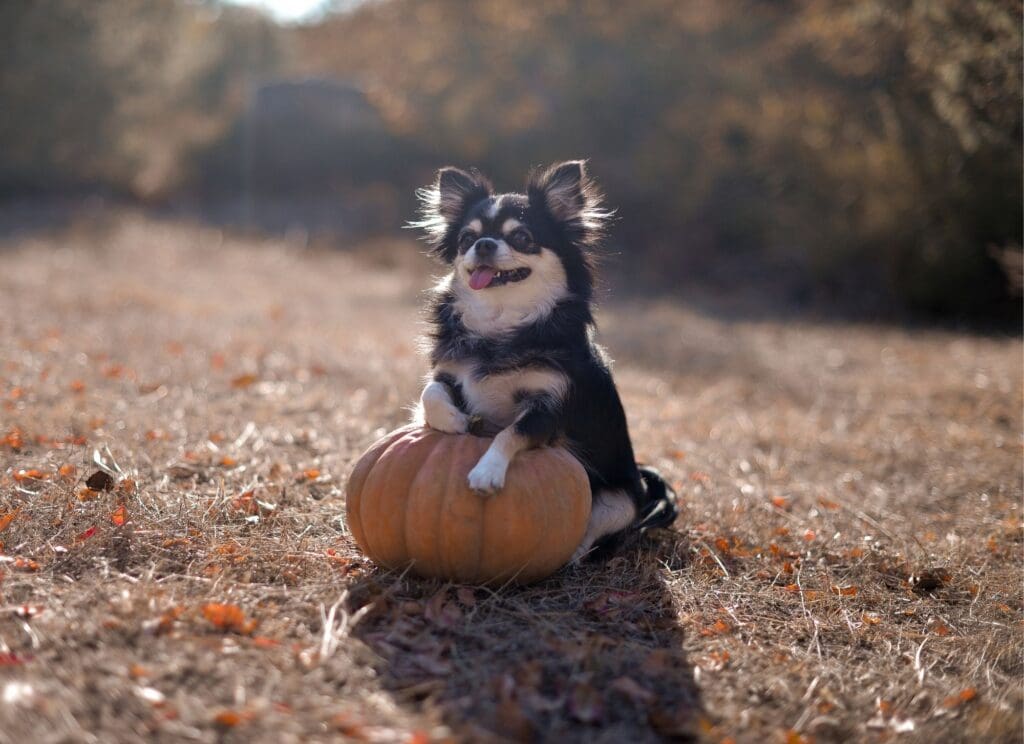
point(496, 397)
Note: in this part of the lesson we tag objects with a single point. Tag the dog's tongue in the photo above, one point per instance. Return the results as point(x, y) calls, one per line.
point(481, 277)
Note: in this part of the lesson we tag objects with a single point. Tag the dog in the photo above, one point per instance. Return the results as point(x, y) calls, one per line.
point(511, 340)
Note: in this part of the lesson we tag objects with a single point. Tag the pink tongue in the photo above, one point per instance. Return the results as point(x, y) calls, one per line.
point(481, 277)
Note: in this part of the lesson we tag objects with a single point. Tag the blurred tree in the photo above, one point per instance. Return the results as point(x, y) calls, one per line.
point(116, 93)
point(862, 147)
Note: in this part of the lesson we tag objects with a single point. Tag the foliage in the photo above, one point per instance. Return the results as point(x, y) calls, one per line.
point(116, 93)
point(865, 146)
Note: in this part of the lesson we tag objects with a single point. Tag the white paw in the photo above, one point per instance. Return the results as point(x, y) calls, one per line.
point(488, 477)
point(446, 418)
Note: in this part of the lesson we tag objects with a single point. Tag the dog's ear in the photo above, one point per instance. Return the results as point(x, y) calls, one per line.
point(567, 193)
point(443, 204)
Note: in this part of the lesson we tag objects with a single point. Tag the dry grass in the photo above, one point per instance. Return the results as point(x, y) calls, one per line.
point(847, 566)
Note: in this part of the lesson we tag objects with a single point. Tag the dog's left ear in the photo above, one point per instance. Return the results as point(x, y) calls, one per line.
point(443, 205)
point(566, 192)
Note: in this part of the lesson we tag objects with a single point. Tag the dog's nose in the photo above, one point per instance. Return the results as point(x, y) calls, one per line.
point(486, 248)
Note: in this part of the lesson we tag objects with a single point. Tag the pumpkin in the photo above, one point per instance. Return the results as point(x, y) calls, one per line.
point(409, 506)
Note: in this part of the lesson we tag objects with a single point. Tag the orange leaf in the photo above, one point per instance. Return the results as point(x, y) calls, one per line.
point(31, 474)
point(120, 516)
point(722, 544)
point(871, 618)
point(780, 502)
point(792, 737)
point(418, 737)
point(227, 718)
point(26, 563)
point(6, 519)
point(14, 439)
point(228, 617)
point(311, 474)
point(827, 504)
point(845, 591)
point(964, 696)
point(68, 471)
point(83, 536)
point(228, 461)
point(243, 381)
point(809, 535)
point(77, 386)
point(265, 642)
point(941, 629)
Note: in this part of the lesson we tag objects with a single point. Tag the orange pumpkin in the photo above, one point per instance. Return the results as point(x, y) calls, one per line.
point(409, 505)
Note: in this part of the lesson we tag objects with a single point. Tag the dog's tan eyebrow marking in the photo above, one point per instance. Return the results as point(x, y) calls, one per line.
point(475, 225)
point(510, 224)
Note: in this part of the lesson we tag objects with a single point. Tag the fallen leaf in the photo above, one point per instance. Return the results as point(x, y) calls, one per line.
point(228, 719)
point(119, 516)
point(345, 724)
point(32, 474)
point(101, 480)
point(844, 591)
point(243, 381)
point(6, 519)
point(14, 439)
point(964, 696)
point(13, 659)
point(83, 536)
point(67, 471)
point(77, 386)
point(228, 617)
point(228, 462)
point(311, 474)
point(26, 563)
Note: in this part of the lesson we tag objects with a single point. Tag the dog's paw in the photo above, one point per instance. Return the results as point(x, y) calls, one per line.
point(488, 477)
point(448, 419)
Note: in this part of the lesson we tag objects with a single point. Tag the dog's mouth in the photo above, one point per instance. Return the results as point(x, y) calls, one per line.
point(484, 277)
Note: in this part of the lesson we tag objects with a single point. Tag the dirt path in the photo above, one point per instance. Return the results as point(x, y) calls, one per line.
point(847, 566)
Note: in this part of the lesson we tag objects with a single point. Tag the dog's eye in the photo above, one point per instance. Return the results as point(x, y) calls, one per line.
point(519, 239)
point(466, 239)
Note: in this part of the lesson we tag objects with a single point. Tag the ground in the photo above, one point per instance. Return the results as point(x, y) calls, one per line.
point(846, 566)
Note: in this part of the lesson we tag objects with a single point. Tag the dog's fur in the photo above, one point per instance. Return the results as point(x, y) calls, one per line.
point(512, 339)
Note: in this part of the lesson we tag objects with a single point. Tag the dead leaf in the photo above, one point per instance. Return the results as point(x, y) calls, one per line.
point(243, 381)
point(119, 516)
point(83, 536)
point(101, 480)
point(6, 519)
point(32, 474)
point(964, 696)
point(228, 617)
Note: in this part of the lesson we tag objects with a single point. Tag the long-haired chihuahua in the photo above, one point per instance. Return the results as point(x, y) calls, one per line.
point(512, 340)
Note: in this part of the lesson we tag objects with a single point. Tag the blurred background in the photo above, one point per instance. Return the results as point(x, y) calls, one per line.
point(859, 158)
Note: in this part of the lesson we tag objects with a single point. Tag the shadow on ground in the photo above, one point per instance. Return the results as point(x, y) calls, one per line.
point(593, 654)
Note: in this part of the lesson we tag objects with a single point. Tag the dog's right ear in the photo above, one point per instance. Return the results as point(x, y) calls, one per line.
point(443, 205)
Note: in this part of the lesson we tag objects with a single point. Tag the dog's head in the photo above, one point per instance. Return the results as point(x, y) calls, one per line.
point(515, 251)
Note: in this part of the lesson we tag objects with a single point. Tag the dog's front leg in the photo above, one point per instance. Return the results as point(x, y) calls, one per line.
point(438, 409)
point(535, 426)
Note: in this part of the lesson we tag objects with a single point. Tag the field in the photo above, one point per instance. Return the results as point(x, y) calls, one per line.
point(847, 566)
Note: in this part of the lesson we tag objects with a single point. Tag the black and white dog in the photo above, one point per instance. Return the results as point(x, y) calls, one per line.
point(512, 339)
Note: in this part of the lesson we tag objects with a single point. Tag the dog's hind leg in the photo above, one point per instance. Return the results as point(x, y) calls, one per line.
point(611, 511)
